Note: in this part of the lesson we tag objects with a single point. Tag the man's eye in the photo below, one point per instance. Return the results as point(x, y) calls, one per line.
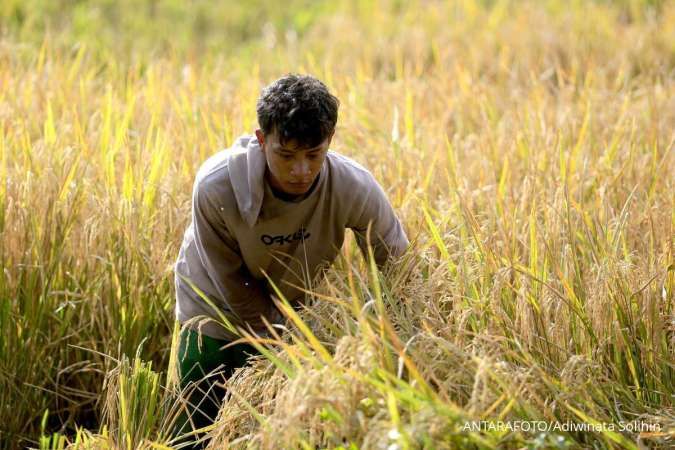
point(287, 157)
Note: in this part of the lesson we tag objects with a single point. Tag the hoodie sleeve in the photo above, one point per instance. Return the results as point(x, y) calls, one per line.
point(387, 236)
point(219, 254)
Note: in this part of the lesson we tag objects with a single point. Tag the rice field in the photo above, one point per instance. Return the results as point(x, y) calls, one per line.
point(527, 147)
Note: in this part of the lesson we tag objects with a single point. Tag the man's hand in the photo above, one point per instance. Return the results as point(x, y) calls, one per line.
point(273, 317)
point(277, 316)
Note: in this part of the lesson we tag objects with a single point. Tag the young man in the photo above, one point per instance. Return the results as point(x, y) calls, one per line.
point(275, 205)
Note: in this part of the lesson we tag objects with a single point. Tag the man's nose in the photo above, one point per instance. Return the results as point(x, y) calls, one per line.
point(300, 169)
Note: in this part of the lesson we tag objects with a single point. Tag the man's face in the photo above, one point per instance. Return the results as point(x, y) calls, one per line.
point(291, 169)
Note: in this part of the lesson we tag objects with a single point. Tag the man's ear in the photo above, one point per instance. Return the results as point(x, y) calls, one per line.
point(261, 137)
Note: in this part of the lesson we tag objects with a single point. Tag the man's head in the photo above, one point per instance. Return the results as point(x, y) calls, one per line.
point(297, 117)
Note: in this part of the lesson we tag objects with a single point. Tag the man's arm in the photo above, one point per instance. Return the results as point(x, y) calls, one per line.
point(387, 237)
point(219, 253)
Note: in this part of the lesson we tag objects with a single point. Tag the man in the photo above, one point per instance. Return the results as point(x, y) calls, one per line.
point(275, 205)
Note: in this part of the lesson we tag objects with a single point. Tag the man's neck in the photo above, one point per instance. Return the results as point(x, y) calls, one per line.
point(281, 195)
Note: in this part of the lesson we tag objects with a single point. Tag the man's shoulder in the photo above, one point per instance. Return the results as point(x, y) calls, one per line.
point(213, 175)
point(216, 164)
point(349, 172)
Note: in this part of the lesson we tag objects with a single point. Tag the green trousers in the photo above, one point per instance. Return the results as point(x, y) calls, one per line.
point(202, 370)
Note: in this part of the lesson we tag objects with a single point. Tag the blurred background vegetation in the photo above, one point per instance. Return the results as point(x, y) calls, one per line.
point(143, 29)
point(136, 30)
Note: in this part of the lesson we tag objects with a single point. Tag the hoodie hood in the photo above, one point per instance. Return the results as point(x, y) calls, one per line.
point(247, 174)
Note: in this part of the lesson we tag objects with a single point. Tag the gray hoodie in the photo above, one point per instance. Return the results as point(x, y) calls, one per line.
point(240, 232)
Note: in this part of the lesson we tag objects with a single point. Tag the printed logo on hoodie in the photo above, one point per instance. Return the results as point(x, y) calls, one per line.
point(282, 239)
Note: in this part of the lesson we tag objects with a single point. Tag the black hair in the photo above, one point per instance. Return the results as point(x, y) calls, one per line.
point(299, 108)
